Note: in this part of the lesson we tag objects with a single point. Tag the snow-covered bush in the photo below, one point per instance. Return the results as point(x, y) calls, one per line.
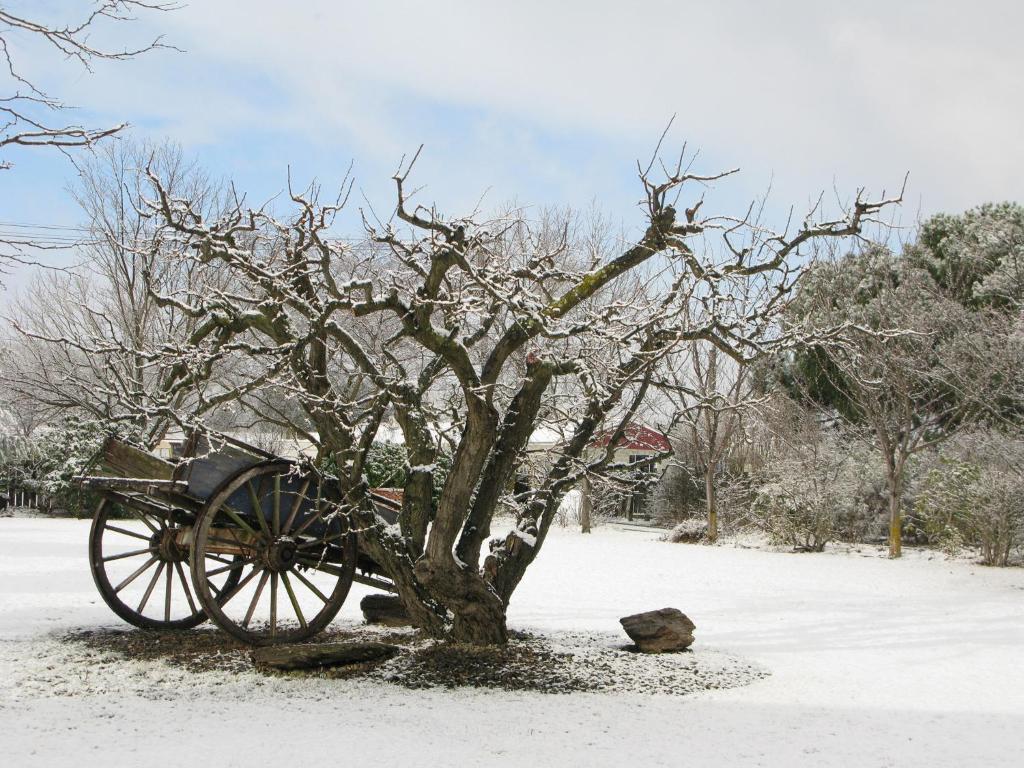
point(812, 493)
point(48, 462)
point(676, 497)
point(690, 531)
point(970, 496)
point(387, 465)
point(621, 493)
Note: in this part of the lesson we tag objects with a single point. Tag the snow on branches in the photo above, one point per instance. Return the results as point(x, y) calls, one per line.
point(469, 333)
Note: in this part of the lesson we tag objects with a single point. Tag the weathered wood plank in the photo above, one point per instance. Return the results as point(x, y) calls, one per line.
point(206, 472)
point(144, 484)
point(289, 657)
point(370, 581)
point(119, 459)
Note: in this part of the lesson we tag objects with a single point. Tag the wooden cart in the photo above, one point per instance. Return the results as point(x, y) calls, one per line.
point(228, 532)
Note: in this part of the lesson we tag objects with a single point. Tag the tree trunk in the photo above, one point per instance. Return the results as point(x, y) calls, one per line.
point(895, 518)
point(711, 502)
point(480, 626)
point(433, 595)
point(478, 614)
point(586, 503)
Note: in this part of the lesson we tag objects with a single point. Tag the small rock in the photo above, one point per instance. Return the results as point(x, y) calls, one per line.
point(384, 609)
point(288, 657)
point(661, 631)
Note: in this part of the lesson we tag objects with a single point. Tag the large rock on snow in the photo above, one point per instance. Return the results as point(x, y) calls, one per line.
point(384, 609)
point(289, 657)
point(661, 631)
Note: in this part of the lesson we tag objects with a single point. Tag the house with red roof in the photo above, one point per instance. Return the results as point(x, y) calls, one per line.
point(641, 447)
point(637, 440)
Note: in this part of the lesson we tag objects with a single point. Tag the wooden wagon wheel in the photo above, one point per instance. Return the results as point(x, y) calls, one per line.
point(298, 556)
point(140, 559)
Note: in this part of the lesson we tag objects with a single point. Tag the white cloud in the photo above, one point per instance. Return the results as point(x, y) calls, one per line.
point(807, 92)
point(807, 89)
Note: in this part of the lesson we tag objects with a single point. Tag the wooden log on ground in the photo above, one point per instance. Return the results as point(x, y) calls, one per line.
point(325, 655)
point(384, 609)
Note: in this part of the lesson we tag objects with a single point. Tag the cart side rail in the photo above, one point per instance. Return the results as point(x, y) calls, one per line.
point(118, 459)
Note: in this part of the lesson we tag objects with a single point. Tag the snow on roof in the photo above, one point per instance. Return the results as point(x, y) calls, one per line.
point(546, 436)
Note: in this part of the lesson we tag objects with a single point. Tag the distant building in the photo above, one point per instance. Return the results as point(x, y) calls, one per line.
point(638, 443)
point(643, 449)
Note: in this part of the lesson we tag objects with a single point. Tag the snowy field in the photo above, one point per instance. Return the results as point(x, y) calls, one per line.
point(873, 663)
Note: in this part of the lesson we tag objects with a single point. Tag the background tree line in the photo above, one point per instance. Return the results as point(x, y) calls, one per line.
point(906, 426)
point(192, 310)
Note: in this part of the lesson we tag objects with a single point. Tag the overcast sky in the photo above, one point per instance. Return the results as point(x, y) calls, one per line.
point(553, 102)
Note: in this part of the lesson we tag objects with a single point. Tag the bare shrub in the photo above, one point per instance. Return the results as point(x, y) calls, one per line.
point(692, 531)
point(818, 484)
point(970, 496)
point(677, 497)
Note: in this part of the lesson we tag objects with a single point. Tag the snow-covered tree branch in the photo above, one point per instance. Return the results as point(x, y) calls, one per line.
point(466, 331)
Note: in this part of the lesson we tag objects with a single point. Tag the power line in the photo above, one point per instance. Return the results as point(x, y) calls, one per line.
point(22, 225)
point(50, 235)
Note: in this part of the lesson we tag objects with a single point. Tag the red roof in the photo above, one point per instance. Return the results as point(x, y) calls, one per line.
point(637, 437)
point(394, 494)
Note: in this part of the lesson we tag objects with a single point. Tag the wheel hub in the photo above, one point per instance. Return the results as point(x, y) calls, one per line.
point(282, 554)
point(164, 545)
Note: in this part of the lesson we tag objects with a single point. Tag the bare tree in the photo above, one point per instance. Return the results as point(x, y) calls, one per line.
point(80, 336)
point(916, 366)
point(709, 393)
point(471, 329)
point(32, 118)
point(20, 415)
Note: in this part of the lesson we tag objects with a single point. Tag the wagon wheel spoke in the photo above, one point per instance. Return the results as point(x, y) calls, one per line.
point(257, 506)
point(276, 510)
point(240, 585)
point(149, 589)
point(238, 520)
point(145, 520)
point(294, 602)
point(126, 532)
point(132, 577)
point(255, 598)
point(185, 586)
point(123, 555)
point(299, 498)
point(167, 595)
point(273, 604)
point(310, 586)
point(232, 567)
point(315, 552)
point(321, 509)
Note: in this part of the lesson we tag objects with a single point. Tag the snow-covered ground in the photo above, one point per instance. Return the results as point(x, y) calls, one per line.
point(873, 663)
